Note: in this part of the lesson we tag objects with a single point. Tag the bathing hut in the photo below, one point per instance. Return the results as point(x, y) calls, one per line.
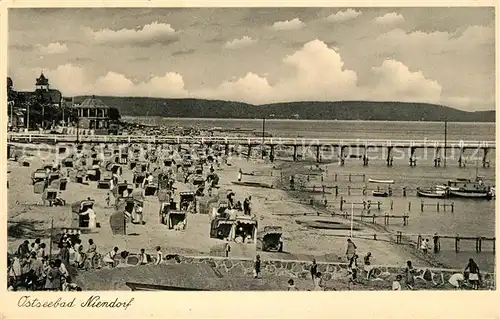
point(50, 197)
point(94, 174)
point(121, 188)
point(232, 225)
point(174, 219)
point(268, 239)
point(39, 175)
point(138, 178)
point(105, 181)
point(78, 217)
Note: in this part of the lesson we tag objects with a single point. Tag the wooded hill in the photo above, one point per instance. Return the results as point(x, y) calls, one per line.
point(340, 110)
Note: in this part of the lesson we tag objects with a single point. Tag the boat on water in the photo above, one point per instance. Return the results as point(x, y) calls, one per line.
point(466, 188)
point(381, 181)
point(432, 193)
point(380, 194)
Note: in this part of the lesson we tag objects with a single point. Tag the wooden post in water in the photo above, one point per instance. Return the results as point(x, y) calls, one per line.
point(457, 243)
point(445, 141)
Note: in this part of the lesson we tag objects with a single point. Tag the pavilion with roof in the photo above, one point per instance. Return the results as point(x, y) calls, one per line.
point(93, 114)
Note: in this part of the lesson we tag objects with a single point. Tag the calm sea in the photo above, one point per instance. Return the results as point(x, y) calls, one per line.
point(470, 217)
point(340, 129)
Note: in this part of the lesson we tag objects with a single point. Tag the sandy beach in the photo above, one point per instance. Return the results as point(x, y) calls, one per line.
point(28, 220)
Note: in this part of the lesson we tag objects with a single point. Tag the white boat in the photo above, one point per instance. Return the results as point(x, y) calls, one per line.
point(432, 193)
point(381, 181)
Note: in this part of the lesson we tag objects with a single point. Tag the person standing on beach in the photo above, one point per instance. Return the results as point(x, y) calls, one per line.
point(436, 243)
point(108, 199)
point(410, 277)
point(246, 207)
point(91, 253)
point(367, 265)
point(159, 255)
point(64, 254)
point(256, 267)
point(240, 175)
point(143, 257)
point(474, 275)
point(424, 246)
point(351, 249)
point(314, 269)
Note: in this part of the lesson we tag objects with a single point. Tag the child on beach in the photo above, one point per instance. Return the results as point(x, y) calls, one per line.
point(143, 257)
point(409, 272)
point(291, 285)
point(256, 267)
point(396, 285)
point(159, 255)
point(108, 199)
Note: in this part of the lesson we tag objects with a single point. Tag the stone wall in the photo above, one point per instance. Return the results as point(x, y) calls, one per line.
point(300, 269)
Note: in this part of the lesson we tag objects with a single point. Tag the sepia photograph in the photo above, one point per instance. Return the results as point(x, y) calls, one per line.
point(250, 149)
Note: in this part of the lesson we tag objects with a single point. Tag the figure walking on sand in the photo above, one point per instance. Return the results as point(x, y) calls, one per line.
point(351, 249)
point(240, 175)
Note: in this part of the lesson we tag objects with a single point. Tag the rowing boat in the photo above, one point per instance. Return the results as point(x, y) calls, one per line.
point(437, 193)
point(381, 181)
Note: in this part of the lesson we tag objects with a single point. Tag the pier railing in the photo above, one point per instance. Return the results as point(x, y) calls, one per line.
point(285, 141)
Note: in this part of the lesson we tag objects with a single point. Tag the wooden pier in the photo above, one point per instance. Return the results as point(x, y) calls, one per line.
point(310, 146)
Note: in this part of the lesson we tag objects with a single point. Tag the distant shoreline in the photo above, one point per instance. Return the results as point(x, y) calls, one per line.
point(128, 117)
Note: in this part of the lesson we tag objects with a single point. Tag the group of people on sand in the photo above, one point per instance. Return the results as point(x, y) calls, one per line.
point(31, 268)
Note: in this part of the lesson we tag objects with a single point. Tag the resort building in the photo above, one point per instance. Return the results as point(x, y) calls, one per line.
point(94, 115)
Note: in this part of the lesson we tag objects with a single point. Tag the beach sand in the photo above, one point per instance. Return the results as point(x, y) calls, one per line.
point(28, 220)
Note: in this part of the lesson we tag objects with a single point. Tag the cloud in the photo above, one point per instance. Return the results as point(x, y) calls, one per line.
point(74, 80)
point(53, 48)
point(149, 34)
point(240, 43)
point(318, 74)
point(398, 83)
point(342, 16)
point(438, 42)
point(288, 24)
point(390, 18)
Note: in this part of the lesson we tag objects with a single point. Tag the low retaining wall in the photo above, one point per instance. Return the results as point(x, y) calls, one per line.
point(300, 269)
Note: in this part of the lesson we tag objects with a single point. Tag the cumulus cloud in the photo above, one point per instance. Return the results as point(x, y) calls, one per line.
point(397, 82)
point(53, 48)
point(342, 16)
point(293, 24)
point(73, 80)
point(318, 74)
point(439, 41)
point(239, 43)
point(390, 18)
point(147, 35)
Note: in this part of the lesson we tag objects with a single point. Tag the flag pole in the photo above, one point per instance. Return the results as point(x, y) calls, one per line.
point(352, 216)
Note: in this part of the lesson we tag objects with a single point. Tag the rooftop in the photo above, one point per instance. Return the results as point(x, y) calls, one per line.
point(92, 102)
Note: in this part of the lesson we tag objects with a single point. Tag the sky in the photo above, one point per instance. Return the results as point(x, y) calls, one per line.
point(260, 55)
